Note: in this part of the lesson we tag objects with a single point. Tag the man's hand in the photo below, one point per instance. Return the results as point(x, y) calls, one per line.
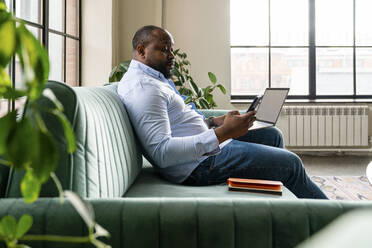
point(218, 121)
point(235, 125)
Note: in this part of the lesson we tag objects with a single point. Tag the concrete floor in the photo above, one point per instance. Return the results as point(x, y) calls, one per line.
point(338, 165)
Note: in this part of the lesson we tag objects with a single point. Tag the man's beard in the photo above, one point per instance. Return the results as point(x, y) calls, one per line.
point(168, 73)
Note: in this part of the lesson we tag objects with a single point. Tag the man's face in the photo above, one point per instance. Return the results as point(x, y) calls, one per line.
point(159, 53)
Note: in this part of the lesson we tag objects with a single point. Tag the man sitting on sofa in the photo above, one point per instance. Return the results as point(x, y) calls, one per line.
point(181, 143)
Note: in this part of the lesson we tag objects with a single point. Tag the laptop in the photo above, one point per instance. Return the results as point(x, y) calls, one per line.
point(269, 109)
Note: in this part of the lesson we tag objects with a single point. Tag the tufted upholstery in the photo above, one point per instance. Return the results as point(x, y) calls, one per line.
point(107, 159)
point(187, 223)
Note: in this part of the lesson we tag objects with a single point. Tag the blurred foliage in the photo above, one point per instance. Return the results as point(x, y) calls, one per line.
point(202, 98)
point(25, 142)
point(118, 72)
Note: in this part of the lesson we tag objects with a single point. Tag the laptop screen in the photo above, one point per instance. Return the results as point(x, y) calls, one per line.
point(271, 104)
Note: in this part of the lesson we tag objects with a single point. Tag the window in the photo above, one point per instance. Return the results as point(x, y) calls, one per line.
point(315, 49)
point(56, 23)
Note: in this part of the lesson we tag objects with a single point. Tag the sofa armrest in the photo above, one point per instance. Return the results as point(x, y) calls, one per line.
point(356, 224)
point(212, 112)
point(185, 222)
point(216, 112)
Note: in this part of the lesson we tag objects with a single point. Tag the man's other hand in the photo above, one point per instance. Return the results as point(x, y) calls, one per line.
point(235, 125)
point(218, 121)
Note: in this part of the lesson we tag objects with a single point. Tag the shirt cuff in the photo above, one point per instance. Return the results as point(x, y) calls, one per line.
point(210, 141)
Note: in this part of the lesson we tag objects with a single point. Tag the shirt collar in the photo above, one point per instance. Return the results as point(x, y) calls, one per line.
point(135, 64)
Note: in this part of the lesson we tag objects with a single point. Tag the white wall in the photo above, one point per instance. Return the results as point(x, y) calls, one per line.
point(201, 29)
point(132, 15)
point(96, 41)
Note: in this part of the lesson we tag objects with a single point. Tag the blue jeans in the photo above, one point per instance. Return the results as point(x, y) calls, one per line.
point(259, 154)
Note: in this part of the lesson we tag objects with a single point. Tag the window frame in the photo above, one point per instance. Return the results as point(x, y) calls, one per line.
point(311, 62)
point(45, 30)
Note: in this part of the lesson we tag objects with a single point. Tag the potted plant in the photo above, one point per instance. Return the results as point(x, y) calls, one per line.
point(202, 98)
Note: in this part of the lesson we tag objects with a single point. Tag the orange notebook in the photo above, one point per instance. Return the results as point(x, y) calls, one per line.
point(262, 186)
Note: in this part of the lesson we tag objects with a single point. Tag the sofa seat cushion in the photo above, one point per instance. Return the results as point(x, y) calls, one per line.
point(150, 184)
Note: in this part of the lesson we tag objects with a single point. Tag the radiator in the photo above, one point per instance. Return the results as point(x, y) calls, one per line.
point(324, 126)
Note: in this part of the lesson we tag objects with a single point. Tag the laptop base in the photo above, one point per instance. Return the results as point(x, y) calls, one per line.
point(260, 124)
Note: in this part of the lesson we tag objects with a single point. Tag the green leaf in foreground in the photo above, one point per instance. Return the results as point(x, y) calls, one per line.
point(34, 61)
point(24, 224)
point(21, 148)
point(69, 134)
point(7, 36)
point(9, 226)
point(4, 78)
point(2, 234)
point(101, 232)
point(46, 159)
point(30, 187)
point(84, 209)
point(11, 93)
point(21, 246)
point(48, 93)
point(6, 125)
point(212, 77)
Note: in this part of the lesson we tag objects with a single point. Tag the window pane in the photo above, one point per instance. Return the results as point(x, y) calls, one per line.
point(29, 10)
point(334, 22)
point(4, 107)
point(72, 13)
point(19, 80)
point(364, 71)
point(4, 104)
point(19, 84)
point(249, 22)
point(37, 32)
point(289, 27)
point(363, 20)
point(289, 68)
point(56, 15)
point(249, 70)
point(72, 62)
point(56, 58)
point(334, 71)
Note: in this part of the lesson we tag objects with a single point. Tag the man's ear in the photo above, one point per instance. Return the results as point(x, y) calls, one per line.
point(141, 50)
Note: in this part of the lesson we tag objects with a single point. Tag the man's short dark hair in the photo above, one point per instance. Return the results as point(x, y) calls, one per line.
point(143, 35)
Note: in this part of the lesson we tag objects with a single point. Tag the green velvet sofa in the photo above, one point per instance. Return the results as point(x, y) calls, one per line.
point(137, 206)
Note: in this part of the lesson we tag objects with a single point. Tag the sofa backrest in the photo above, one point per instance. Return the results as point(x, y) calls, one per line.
point(107, 159)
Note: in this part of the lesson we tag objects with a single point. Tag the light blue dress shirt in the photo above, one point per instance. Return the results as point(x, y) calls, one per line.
point(173, 134)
